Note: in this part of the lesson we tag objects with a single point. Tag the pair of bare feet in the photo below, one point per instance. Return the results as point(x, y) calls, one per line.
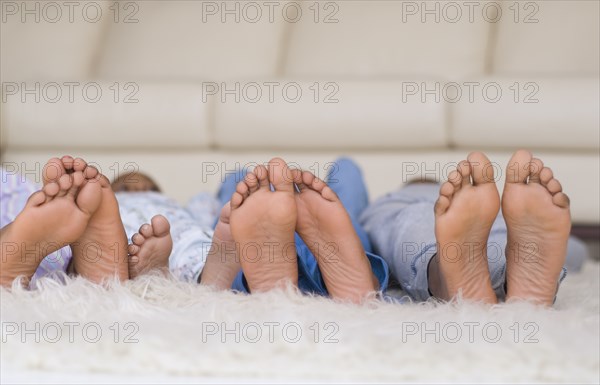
point(537, 216)
point(256, 231)
point(75, 208)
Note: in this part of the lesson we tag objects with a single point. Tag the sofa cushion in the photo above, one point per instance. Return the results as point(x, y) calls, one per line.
point(548, 113)
point(365, 115)
point(146, 115)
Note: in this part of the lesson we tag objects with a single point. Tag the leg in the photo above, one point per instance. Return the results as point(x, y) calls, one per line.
point(325, 226)
point(464, 214)
point(151, 247)
point(222, 262)
point(52, 218)
point(538, 221)
point(101, 251)
point(402, 228)
point(262, 223)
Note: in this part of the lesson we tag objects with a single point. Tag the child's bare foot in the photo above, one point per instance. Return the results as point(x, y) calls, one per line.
point(52, 218)
point(222, 262)
point(464, 214)
point(151, 247)
point(327, 230)
point(101, 251)
point(263, 223)
point(538, 221)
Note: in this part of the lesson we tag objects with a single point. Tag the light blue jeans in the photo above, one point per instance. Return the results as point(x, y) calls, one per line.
point(345, 179)
point(401, 228)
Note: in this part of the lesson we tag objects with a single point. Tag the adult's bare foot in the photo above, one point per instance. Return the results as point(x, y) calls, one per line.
point(101, 251)
point(263, 223)
point(538, 221)
point(222, 262)
point(325, 226)
point(151, 247)
point(464, 214)
point(52, 218)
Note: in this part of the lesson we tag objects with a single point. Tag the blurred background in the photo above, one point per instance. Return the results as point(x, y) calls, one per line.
point(188, 91)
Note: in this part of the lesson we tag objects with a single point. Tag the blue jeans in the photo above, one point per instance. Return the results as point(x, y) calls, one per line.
point(401, 226)
point(345, 179)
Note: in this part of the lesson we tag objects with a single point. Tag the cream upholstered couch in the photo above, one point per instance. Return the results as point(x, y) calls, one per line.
point(376, 58)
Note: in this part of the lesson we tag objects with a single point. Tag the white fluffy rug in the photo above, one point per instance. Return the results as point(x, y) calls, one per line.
point(186, 333)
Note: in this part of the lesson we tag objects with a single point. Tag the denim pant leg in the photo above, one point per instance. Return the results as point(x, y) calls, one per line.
point(401, 226)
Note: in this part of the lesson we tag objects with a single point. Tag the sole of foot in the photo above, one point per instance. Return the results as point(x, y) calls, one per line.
point(325, 226)
point(538, 219)
point(263, 224)
point(52, 218)
point(151, 247)
point(464, 213)
point(101, 251)
point(222, 262)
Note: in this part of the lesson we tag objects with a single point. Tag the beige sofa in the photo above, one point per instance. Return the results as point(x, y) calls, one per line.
point(407, 88)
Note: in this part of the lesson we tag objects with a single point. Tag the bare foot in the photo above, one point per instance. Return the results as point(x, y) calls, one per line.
point(324, 225)
point(263, 223)
point(464, 214)
point(151, 247)
point(222, 262)
point(52, 218)
point(101, 251)
point(538, 221)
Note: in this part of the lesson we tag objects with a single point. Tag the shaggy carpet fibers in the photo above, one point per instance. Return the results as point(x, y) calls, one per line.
point(157, 330)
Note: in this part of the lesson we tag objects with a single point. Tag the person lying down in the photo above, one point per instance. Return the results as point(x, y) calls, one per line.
point(280, 226)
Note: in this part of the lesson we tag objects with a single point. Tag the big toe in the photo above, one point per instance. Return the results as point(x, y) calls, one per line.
point(160, 225)
point(53, 170)
point(89, 198)
point(481, 168)
point(518, 168)
point(280, 175)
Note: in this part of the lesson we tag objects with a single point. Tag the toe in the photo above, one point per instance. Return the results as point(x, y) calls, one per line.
point(561, 199)
point(146, 230)
point(38, 198)
point(262, 175)
point(442, 205)
point(51, 189)
point(464, 168)
point(546, 175)
point(517, 170)
point(67, 161)
point(481, 168)
point(77, 178)
point(280, 175)
point(65, 182)
point(236, 200)
point(225, 213)
point(242, 189)
point(53, 170)
point(91, 172)
point(160, 225)
point(138, 239)
point(447, 190)
point(133, 249)
point(89, 198)
point(554, 186)
point(79, 164)
point(535, 169)
point(251, 181)
point(455, 178)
